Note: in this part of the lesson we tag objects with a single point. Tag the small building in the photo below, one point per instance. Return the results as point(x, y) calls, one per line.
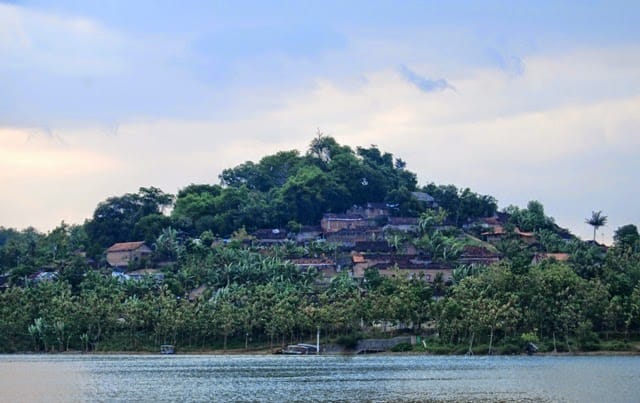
point(370, 210)
point(498, 233)
point(403, 224)
point(373, 246)
point(425, 198)
point(410, 265)
point(138, 275)
point(349, 237)
point(478, 255)
point(327, 267)
point(120, 255)
point(309, 233)
point(270, 236)
point(338, 222)
point(44, 276)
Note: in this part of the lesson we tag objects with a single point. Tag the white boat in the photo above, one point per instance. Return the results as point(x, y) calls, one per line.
point(167, 349)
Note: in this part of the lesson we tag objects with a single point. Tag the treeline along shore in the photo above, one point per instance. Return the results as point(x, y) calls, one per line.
point(334, 240)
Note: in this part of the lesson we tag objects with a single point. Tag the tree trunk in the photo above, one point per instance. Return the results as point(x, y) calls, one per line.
point(490, 352)
point(470, 351)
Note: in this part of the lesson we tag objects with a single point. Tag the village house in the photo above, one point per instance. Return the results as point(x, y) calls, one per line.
point(498, 233)
point(488, 224)
point(403, 224)
point(390, 265)
point(370, 210)
point(266, 237)
point(349, 237)
point(44, 276)
point(373, 246)
point(426, 199)
point(327, 267)
point(120, 255)
point(138, 275)
point(478, 255)
point(336, 222)
point(308, 233)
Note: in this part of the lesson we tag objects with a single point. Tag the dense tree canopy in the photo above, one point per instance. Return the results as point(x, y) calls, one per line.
point(290, 187)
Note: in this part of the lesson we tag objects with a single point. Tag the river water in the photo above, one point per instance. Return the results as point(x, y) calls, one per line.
point(374, 378)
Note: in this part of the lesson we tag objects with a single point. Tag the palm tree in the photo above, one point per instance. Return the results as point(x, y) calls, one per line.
point(596, 220)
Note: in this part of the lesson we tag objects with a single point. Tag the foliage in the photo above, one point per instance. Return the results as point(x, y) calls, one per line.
point(596, 220)
point(532, 218)
point(627, 236)
point(255, 297)
point(462, 205)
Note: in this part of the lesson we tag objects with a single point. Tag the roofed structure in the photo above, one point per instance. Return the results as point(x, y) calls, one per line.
point(119, 255)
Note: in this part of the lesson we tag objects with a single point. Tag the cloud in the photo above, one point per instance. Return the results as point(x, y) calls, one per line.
point(510, 64)
point(57, 45)
point(424, 84)
point(45, 180)
point(34, 154)
point(127, 108)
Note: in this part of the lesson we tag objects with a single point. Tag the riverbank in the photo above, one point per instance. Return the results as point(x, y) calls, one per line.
point(337, 350)
point(344, 352)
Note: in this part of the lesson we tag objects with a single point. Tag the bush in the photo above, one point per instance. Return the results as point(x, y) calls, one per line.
point(400, 347)
point(615, 345)
point(509, 348)
point(436, 348)
point(590, 345)
point(348, 341)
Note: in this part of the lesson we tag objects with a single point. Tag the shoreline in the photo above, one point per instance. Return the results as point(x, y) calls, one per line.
point(267, 351)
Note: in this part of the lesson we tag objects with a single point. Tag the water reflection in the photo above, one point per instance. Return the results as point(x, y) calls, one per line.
point(323, 378)
point(32, 379)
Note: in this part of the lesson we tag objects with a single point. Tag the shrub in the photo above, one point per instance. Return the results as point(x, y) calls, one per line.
point(348, 341)
point(402, 347)
point(509, 348)
point(436, 348)
point(615, 345)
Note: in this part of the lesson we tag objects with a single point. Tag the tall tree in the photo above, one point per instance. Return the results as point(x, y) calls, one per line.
point(596, 220)
point(626, 236)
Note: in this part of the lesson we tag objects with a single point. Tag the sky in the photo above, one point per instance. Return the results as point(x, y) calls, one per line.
point(531, 100)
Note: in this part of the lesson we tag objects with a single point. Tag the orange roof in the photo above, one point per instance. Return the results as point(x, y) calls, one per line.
point(498, 230)
point(125, 246)
point(357, 259)
point(525, 234)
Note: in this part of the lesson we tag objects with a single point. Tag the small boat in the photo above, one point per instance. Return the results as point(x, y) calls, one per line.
point(298, 349)
point(531, 348)
point(167, 349)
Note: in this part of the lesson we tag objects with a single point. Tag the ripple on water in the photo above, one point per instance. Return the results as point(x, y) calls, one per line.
point(318, 378)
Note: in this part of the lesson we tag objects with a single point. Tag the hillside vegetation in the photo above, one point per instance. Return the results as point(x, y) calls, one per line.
point(246, 263)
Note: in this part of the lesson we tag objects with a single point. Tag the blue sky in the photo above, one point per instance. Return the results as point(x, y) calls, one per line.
point(521, 100)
